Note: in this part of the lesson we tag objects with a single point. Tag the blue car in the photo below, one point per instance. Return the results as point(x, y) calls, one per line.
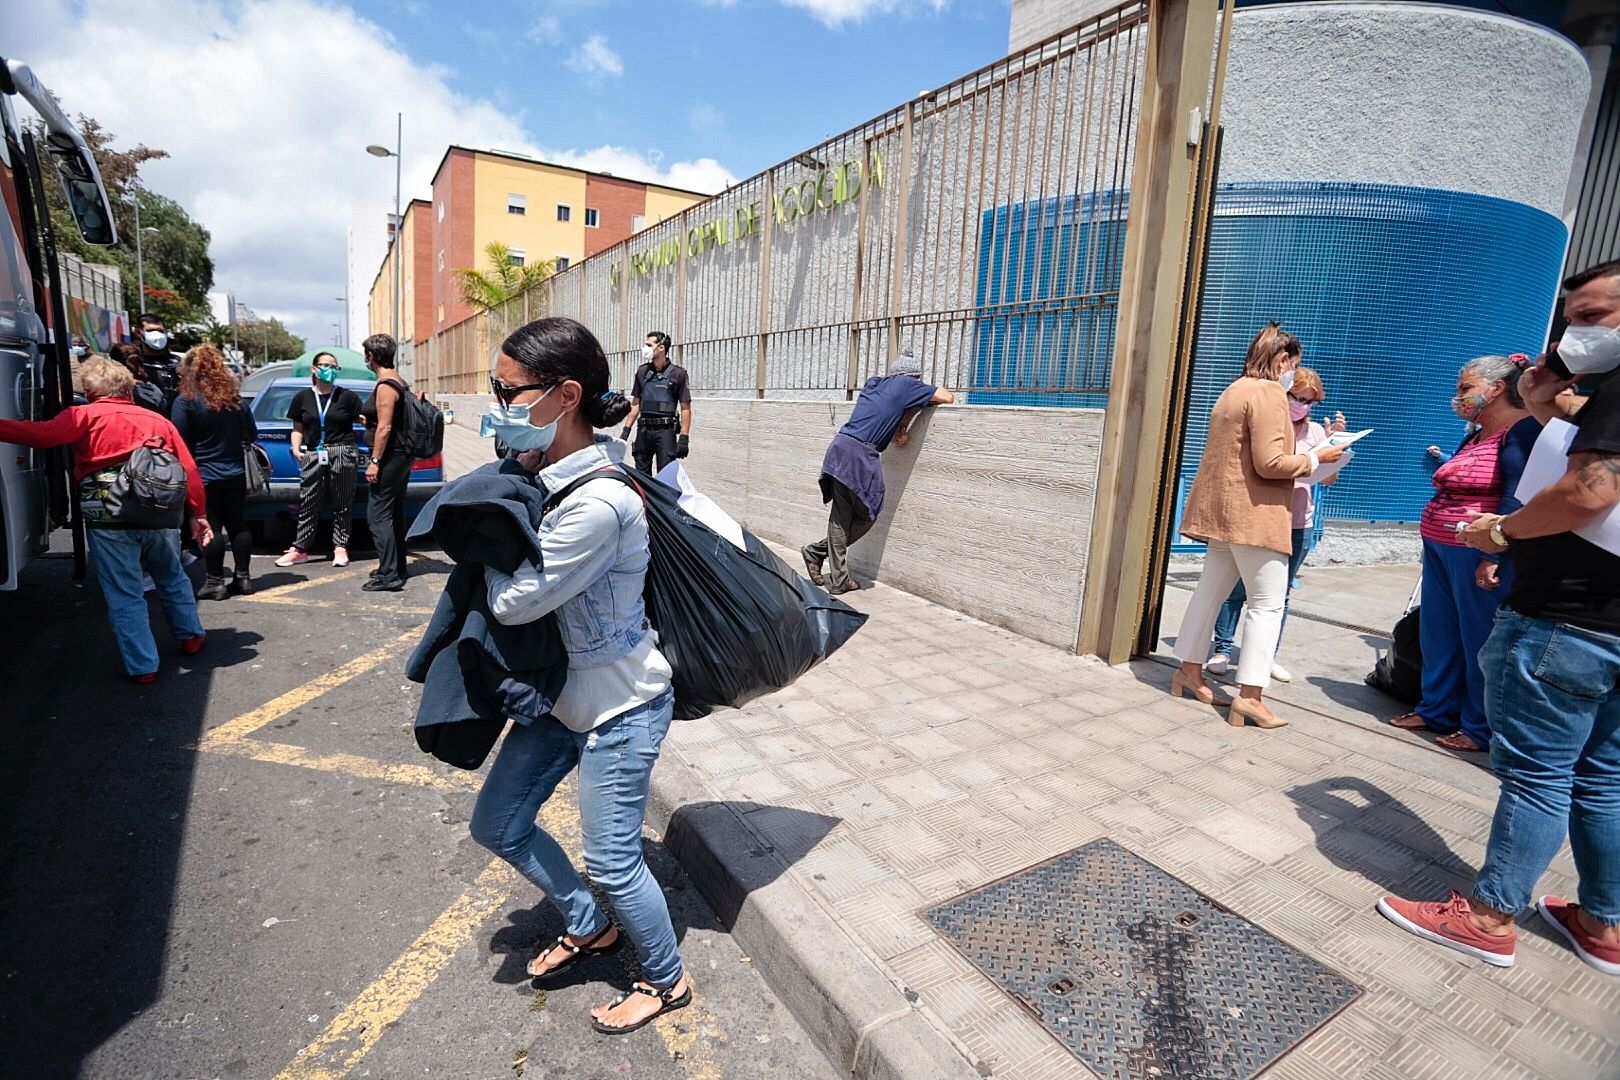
point(280, 501)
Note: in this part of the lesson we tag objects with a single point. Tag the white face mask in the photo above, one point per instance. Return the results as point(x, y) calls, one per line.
point(80, 351)
point(646, 352)
point(1286, 381)
point(156, 339)
point(1590, 350)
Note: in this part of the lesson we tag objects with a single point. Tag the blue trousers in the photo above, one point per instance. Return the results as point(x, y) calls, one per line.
point(1457, 618)
point(120, 556)
point(1555, 710)
point(615, 766)
point(1226, 623)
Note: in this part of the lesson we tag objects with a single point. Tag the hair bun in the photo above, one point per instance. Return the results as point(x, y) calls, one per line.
point(607, 409)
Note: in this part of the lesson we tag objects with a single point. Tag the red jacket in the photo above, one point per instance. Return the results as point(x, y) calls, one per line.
point(104, 433)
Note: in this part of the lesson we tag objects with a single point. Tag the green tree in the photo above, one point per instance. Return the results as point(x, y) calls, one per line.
point(489, 289)
point(267, 340)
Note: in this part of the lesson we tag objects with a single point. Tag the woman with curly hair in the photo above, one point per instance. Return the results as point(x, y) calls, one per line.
point(209, 415)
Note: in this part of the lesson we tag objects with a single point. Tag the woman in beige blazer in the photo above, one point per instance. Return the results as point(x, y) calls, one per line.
point(1241, 507)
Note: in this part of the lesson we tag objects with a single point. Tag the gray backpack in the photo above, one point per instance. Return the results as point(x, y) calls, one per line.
point(149, 490)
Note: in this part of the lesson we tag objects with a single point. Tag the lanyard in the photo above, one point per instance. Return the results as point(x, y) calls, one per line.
point(321, 405)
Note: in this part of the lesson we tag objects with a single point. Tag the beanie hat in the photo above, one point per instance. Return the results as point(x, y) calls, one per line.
point(906, 363)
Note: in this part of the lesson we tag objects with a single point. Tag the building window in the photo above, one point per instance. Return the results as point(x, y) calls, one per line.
point(562, 263)
point(564, 212)
point(441, 260)
point(441, 209)
point(593, 217)
point(441, 313)
point(638, 222)
point(517, 204)
point(516, 256)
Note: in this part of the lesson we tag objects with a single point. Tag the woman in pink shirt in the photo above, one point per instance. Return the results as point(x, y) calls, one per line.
point(1462, 588)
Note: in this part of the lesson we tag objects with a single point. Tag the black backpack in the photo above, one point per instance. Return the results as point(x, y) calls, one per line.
point(1399, 672)
point(419, 429)
point(149, 490)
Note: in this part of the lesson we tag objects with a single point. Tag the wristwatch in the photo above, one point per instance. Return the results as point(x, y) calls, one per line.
point(1497, 537)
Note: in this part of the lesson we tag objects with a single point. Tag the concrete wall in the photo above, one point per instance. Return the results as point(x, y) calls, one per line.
point(989, 509)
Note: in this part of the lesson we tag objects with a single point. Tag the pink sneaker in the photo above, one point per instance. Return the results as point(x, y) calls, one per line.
point(1560, 915)
point(1448, 924)
point(340, 556)
point(293, 557)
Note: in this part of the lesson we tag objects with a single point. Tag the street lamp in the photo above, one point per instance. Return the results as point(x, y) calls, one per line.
point(140, 260)
point(383, 152)
point(344, 300)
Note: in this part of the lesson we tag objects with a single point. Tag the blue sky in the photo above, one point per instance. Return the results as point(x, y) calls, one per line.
point(265, 106)
point(747, 84)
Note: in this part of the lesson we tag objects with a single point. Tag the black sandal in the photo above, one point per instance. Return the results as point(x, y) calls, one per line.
point(670, 1004)
point(574, 952)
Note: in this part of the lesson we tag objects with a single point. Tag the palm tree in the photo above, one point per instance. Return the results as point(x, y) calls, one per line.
point(488, 290)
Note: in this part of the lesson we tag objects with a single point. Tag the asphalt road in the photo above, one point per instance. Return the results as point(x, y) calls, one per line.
point(248, 870)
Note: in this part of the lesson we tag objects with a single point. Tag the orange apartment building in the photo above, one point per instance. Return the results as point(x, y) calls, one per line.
point(537, 209)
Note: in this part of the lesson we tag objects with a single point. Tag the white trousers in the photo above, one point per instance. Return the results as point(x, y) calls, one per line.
point(1265, 579)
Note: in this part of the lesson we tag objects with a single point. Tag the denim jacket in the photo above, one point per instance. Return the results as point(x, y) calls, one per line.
point(594, 547)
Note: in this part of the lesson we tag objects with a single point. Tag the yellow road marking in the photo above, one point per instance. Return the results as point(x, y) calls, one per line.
point(249, 722)
point(346, 605)
point(362, 768)
point(355, 1030)
point(317, 582)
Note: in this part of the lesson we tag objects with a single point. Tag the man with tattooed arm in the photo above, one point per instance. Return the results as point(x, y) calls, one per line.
point(1552, 670)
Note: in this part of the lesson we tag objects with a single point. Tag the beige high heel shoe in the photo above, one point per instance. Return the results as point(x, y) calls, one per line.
point(1181, 686)
point(1254, 711)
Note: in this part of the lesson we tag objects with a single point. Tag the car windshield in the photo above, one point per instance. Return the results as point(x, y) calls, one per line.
point(272, 403)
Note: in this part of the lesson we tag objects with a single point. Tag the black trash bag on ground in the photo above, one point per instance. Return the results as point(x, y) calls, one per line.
point(734, 625)
point(1399, 672)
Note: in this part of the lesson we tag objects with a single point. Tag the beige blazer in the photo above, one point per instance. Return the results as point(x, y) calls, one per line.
point(1243, 493)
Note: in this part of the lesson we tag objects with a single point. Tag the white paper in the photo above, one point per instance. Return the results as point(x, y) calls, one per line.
point(1345, 438)
point(1329, 468)
point(700, 506)
point(1549, 461)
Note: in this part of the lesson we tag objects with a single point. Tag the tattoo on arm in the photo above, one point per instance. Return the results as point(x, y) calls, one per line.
point(1599, 474)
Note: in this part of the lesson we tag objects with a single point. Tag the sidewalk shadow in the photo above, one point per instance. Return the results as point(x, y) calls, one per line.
point(96, 777)
point(1351, 832)
point(529, 930)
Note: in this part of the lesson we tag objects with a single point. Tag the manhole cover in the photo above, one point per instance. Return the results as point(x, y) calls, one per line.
point(1138, 973)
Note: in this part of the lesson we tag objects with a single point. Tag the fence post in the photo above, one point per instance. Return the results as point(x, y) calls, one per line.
point(680, 297)
point(1179, 64)
point(902, 230)
point(765, 282)
point(854, 370)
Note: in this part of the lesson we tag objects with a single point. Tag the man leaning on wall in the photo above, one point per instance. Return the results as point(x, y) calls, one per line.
point(851, 472)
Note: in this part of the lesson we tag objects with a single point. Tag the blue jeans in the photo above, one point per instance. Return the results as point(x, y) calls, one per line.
point(1553, 695)
point(120, 556)
point(1456, 620)
point(615, 765)
point(1226, 623)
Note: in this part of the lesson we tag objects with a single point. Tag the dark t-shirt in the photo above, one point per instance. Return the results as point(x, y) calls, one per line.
point(663, 390)
point(1564, 578)
point(883, 401)
point(214, 438)
point(341, 416)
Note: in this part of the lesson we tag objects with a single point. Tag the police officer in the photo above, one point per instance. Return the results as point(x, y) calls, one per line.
point(156, 358)
point(660, 389)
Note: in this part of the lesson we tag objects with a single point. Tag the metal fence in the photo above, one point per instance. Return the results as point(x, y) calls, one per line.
point(981, 223)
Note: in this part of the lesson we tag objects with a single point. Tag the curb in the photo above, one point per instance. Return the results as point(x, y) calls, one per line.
point(867, 1026)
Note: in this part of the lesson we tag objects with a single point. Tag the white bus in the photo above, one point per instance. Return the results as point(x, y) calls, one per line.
point(35, 375)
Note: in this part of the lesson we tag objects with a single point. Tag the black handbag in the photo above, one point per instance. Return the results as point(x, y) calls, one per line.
point(256, 468)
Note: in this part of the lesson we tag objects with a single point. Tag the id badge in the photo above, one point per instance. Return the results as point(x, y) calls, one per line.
point(323, 456)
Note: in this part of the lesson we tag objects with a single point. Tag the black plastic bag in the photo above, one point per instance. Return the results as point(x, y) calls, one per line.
point(734, 625)
point(1399, 672)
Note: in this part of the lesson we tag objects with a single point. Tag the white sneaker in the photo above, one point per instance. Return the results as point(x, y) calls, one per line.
point(1219, 664)
point(340, 556)
point(292, 557)
point(1280, 674)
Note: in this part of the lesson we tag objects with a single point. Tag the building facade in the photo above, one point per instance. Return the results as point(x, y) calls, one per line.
point(542, 212)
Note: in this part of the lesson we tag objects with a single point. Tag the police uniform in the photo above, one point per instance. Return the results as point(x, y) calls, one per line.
point(661, 394)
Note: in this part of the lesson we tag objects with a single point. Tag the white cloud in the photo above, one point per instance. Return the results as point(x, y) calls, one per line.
point(705, 118)
point(546, 30)
point(266, 108)
point(595, 59)
point(835, 13)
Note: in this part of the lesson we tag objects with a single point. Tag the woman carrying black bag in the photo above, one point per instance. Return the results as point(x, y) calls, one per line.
point(551, 391)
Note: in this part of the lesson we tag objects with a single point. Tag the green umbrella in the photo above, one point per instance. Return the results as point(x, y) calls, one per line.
point(351, 363)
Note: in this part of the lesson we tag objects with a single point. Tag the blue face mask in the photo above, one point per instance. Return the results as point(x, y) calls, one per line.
point(326, 374)
point(510, 424)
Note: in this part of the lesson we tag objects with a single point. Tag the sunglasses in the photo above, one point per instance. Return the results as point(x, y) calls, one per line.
point(504, 393)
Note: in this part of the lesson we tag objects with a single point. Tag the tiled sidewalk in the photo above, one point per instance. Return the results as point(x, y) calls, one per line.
point(936, 753)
